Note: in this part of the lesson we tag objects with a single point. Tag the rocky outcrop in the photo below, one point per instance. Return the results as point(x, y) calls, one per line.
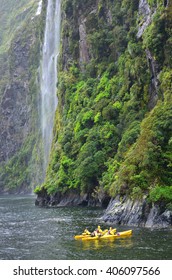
point(124, 211)
point(166, 3)
point(60, 200)
point(120, 211)
point(83, 45)
point(80, 49)
point(70, 198)
point(145, 15)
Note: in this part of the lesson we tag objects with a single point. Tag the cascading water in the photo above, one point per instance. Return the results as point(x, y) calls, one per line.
point(49, 74)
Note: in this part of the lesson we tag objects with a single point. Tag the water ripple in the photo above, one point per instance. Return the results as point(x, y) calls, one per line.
point(28, 232)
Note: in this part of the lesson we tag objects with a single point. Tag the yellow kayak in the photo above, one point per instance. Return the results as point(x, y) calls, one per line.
point(83, 235)
point(109, 236)
point(86, 236)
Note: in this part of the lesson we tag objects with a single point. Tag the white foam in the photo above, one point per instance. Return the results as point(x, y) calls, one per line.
point(38, 12)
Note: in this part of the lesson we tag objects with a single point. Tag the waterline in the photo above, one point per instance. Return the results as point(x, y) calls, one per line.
point(33, 233)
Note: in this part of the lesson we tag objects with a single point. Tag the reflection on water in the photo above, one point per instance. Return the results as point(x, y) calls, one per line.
point(29, 232)
point(111, 243)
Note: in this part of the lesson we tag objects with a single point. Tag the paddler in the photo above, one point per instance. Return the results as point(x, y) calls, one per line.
point(110, 231)
point(97, 232)
point(86, 232)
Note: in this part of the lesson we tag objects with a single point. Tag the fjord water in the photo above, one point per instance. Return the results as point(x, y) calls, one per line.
point(29, 232)
point(48, 74)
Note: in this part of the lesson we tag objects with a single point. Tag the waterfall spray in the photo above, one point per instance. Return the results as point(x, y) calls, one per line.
point(49, 75)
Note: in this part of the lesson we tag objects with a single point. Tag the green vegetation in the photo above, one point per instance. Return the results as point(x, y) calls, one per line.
point(161, 193)
point(16, 175)
point(106, 136)
point(113, 127)
point(13, 16)
point(18, 25)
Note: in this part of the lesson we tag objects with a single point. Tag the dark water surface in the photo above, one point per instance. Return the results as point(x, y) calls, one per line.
point(29, 232)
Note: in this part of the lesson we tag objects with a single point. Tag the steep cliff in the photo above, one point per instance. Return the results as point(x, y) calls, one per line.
point(112, 135)
point(22, 27)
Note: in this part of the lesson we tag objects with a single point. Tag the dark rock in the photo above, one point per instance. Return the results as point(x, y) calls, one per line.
point(15, 100)
point(60, 200)
point(70, 198)
point(158, 219)
point(124, 211)
point(145, 13)
point(166, 3)
point(83, 44)
point(42, 199)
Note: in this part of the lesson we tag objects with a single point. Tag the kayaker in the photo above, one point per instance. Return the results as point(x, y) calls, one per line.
point(86, 232)
point(110, 231)
point(97, 232)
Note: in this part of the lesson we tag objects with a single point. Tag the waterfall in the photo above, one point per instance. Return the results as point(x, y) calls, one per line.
point(48, 79)
point(39, 9)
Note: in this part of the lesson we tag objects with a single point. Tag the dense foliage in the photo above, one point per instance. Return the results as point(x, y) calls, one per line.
point(113, 128)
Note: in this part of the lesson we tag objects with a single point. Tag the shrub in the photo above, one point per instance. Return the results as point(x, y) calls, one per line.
point(161, 193)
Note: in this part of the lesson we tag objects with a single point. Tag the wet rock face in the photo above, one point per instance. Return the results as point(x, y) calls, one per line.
point(83, 45)
point(42, 199)
point(159, 219)
point(71, 198)
point(81, 50)
point(59, 200)
point(14, 106)
point(145, 14)
point(166, 3)
point(124, 211)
